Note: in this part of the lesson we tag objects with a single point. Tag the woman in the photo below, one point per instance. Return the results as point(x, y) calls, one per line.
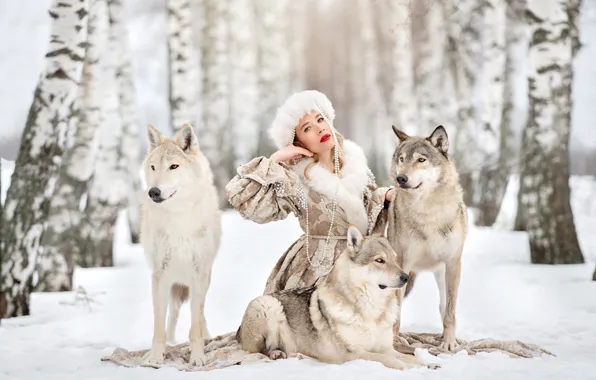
point(317, 175)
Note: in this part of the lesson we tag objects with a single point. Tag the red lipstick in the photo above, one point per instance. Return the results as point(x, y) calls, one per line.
point(325, 138)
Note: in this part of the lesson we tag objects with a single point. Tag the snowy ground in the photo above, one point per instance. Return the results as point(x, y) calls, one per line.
point(501, 296)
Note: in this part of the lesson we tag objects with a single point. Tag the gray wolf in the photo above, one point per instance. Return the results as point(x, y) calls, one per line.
point(180, 233)
point(347, 315)
point(427, 218)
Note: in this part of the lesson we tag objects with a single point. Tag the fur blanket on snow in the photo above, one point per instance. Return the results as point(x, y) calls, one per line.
point(224, 351)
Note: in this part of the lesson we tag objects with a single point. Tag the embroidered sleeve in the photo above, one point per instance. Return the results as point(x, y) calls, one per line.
point(376, 204)
point(264, 191)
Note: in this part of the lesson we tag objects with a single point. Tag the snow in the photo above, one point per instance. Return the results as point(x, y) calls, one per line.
point(501, 296)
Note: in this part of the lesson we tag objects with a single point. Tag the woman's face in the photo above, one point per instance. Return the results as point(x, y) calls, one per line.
point(314, 134)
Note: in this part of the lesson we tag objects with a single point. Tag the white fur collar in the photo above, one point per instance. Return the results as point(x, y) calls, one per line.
point(351, 185)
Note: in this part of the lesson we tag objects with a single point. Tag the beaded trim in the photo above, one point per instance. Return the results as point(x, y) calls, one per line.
point(304, 199)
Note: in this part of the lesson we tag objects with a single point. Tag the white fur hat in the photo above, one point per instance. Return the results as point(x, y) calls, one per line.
point(283, 127)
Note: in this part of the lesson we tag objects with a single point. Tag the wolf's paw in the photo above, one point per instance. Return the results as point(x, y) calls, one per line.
point(449, 345)
point(277, 354)
point(432, 366)
point(153, 357)
point(197, 359)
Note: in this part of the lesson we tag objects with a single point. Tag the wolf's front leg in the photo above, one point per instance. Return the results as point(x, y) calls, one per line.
point(388, 360)
point(400, 297)
point(159, 292)
point(198, 325)
point(452, 276)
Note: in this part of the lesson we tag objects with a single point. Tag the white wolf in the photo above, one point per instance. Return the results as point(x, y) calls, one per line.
point(180, 233)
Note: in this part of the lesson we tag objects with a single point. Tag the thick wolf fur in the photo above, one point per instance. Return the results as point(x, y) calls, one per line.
point(348, 315)
point(180, 233)
point(427, 221)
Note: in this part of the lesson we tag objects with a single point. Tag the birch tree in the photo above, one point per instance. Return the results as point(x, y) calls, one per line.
point(243, 82)
point(183, 64)
point(464, 21)
point(431, 44)
point(215, 131)
point(375, 115)
point(131, 149)
point(492, 136)
point(60, 241)
point(545, 194)
point(395, 25)
point(109, 187)
point(296, 31)
point(46, 137)
point(272, 65)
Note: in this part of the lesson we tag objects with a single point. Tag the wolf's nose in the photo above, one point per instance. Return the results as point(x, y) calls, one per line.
point(404, 278)
point(154, 193)
point(402, 179)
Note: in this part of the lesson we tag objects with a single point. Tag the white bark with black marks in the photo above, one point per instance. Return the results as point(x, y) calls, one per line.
point(429, 39)
point(493, 174)
point(395, 24)
point(61, 240)
point(183, 64)
point(131, 147)
point(243, 82)
point(371, 105)
point(215, 132)
point(297, 20)
point(272, 65)
point(109, 188)
point(47, 135)
point(545, 193)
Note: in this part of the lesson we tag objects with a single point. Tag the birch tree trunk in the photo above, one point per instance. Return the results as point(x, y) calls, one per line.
point(216, 132)
point(465, 18)
point(131, 148)
point(398, 74)
point(272, 66)
point(243, 82)
point(46, 137)
point(377, 121)
point(60, 243)
point(545, 196)
point(494, 171)
point(296, 33)
point(183, 64)
point(430, 42)
point(109, 187)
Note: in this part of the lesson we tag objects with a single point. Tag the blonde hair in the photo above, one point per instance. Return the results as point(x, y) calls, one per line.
point(340, 145)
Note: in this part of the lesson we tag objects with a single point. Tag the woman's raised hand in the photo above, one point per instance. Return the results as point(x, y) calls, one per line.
point(290, 152)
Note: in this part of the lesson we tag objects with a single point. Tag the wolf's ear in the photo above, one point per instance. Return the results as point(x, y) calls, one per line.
point(187, 139)
point(155, 138)
point(402, 136)
point(439, 139)
point(355, 239)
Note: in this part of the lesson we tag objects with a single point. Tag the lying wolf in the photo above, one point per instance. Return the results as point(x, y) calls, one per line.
point(180, 233)
point(348, 315)
point(427, 219)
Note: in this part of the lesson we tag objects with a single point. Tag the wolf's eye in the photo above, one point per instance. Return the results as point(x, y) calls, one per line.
point(421, 159)
point(152, 167)
point(401, 159)
point(173, 166)
point(380, 260)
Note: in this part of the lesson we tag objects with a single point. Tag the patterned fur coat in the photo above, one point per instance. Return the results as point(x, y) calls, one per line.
point(264, 191)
